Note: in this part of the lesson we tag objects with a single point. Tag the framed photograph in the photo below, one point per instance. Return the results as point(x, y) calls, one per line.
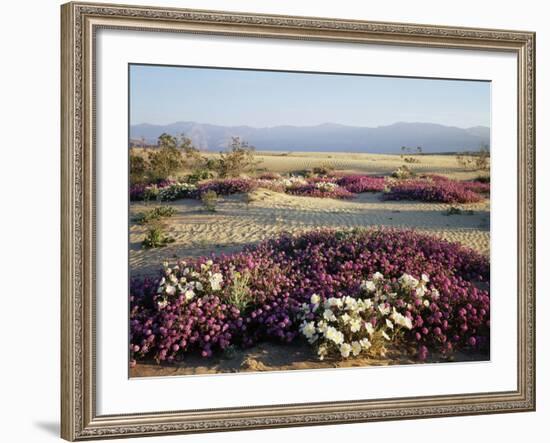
point(277, 221)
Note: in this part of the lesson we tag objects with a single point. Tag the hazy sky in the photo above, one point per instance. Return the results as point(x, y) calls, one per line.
point(162, 95)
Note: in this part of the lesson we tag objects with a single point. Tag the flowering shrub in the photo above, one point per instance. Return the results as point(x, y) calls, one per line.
point(448, 311)
point(430, 188)
point(141, 191)
point(479, 187)
point(321, 190)
point(272, 185)
point(228, 186)
point(176, 191)
point(382, 312)
point(362, 183)
point(165, 190)
point(294, 181)
point(181, 313)
point(445, 191)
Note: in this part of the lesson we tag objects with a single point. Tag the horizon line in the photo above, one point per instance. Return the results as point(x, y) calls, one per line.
point(310, 126)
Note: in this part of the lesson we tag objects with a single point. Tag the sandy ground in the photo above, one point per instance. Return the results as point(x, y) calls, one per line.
point(382, 164)
point(276, 357)
point(237, 222)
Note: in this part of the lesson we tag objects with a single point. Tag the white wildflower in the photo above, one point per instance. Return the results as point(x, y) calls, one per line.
point(315, 299)
point(322, 327)
point(189, 294)
point(216, 281)
point(420, 291)
point(426, 303)
point(368, 285)
point(345, 349)
point(365, 343)
point(369, 327)
point(334, 335)
point(329, 315)
point(367, 304)
point(355, 325)
point(377, 276)
point(170, 290)
point(384, 309)
point(408, 281)
point(401, 320)
point(345, 318)
point(308, 329)
point(425, 278)
point(356, 348)
point(332, 301)
point(350, 303)
point(389, 324)
point(386, 336)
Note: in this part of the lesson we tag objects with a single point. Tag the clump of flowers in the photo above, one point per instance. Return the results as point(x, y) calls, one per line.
point(177, 190)
point(445, 191)
point(272, 185)
point(294, 181)
point(258, 294)
point(228, 186)
point(380, 315)
point(182, 312)
point(479, 187)
point(164, 190)
point(362, 183)
point(321, 189)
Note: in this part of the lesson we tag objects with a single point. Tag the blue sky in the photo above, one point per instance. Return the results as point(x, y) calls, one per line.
point(162, 95)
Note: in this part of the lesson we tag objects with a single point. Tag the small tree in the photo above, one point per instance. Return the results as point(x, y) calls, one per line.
point(238, 160)
point(167, 160)
point(138, 168)
point(167, 141)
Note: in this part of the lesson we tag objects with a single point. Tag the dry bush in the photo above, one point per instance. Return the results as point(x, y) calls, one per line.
point(238, 160)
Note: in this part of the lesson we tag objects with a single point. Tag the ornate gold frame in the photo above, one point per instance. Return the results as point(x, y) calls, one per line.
point(80, 21)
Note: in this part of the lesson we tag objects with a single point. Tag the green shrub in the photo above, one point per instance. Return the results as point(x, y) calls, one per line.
point(403, 172)
point(476, 161)
point(138, 168)
point(156, 237)
point(209, 200)
point(154, 214)
point(324, 169)
point(198, 175)
point(240, 295)
point(238, 160)
point(453, 210)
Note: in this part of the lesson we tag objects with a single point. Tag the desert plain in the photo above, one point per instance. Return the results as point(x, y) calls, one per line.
point(246, 219)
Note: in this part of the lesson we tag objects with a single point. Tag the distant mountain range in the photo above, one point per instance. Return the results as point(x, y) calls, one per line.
point(325, 137)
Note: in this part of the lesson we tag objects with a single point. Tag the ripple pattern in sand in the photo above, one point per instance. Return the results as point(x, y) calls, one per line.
point(237, 223)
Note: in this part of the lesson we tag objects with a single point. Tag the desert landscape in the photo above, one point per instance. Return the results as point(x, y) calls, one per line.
point(248, 218)
point(262, 210)
point(286, 220)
